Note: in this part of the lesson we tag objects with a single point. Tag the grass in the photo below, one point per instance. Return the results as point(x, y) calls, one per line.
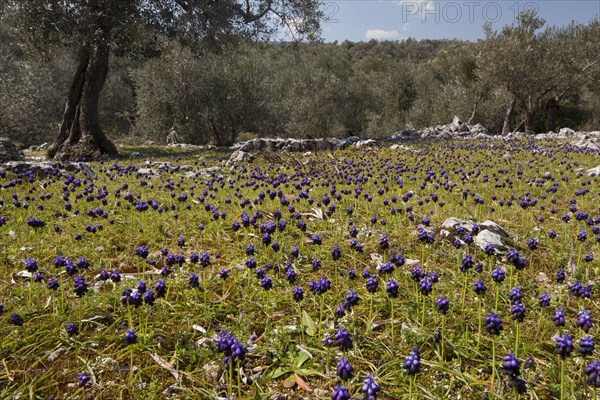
point(176, 354)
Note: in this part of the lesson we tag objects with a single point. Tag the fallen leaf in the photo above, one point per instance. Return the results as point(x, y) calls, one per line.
point(289, 382)
point(301, 383)
point(165, 365)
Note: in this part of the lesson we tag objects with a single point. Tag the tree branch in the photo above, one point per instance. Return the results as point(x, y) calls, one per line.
point(251, 17)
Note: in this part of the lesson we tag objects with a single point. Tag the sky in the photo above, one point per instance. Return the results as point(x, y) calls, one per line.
point(363, 20)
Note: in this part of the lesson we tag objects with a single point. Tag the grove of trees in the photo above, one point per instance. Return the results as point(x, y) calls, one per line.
point(212, 76)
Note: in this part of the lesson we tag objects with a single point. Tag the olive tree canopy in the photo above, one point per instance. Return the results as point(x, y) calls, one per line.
point(97, 27)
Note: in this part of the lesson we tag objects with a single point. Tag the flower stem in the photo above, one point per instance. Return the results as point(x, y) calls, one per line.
point(320, 314)
point(423, 310)
point(562, 378)
point(464, 293)
point(392, 316)
point(443, 334)
point(230, 379)
point(497, 295)
point(370, 312)
point(493, 366)
point(516, 338)
point(479, 324)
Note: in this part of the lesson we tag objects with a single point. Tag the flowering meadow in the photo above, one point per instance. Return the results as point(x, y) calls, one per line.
point(331, 275)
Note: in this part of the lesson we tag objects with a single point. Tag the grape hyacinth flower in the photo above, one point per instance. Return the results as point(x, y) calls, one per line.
point(517, 311)
point(231, 347)
point(336, 252)
point(142, 251)
point(385, 268)
point(365, 273)
point(511, 366)
point(442, 304)
point(194, 257)
point(372, 284)
point(592, 373)
point(266, 283)
point(343, 339)
point(352, 299)
point(515, 294)
point(149, 297)
point(16, 319)
point(80, 287)
point(327, 341)
point(560, 275)
point(489, 249)
point(194, 280)
point(115, 276)
point(317, 240)
point(370, 387)
point(384, 242)
point(425, 286)
point(344, 369)
point(316, 264)
point(351, 273)
point(340, 393)
point(559, 317)
point(53, 284)
point(104, 275)
point(82, 379)
point(160, 288)
point(532, 243)
point(498, 275)
point(563, 345)
point(466, 263)
point(297, 293)
point(529, 363)
point(391, 288)
point(479, 287)
point(586, 346)
point(417, 273)
point(544, 300)
point(584, 320)
point(493, 323)
point(223, 273)
point(433, 277)
point(31, 265)
point(412, 362)
point(72, 329)
point(321, 286)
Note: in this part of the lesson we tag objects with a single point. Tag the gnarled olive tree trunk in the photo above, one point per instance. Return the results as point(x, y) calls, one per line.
point(80, 134)
point(551, 113)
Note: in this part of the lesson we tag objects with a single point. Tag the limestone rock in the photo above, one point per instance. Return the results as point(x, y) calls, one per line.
point(10, 152)
point(238, 156)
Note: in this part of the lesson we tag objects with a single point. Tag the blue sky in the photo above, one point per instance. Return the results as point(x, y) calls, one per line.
point(362, 20)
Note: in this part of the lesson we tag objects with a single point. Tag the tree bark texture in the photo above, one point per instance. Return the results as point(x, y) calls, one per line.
point(80, 134)
point(551, 114)
point(508, 116)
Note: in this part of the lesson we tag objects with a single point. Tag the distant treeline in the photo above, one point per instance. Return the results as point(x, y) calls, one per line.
point(527, 77)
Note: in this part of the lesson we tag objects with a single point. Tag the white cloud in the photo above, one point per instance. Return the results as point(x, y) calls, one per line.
point(380, 34)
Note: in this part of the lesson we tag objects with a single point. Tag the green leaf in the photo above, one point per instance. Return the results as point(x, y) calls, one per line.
point(301, 358)
point(310, 372)
point(279, 372)
point(309, 324)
